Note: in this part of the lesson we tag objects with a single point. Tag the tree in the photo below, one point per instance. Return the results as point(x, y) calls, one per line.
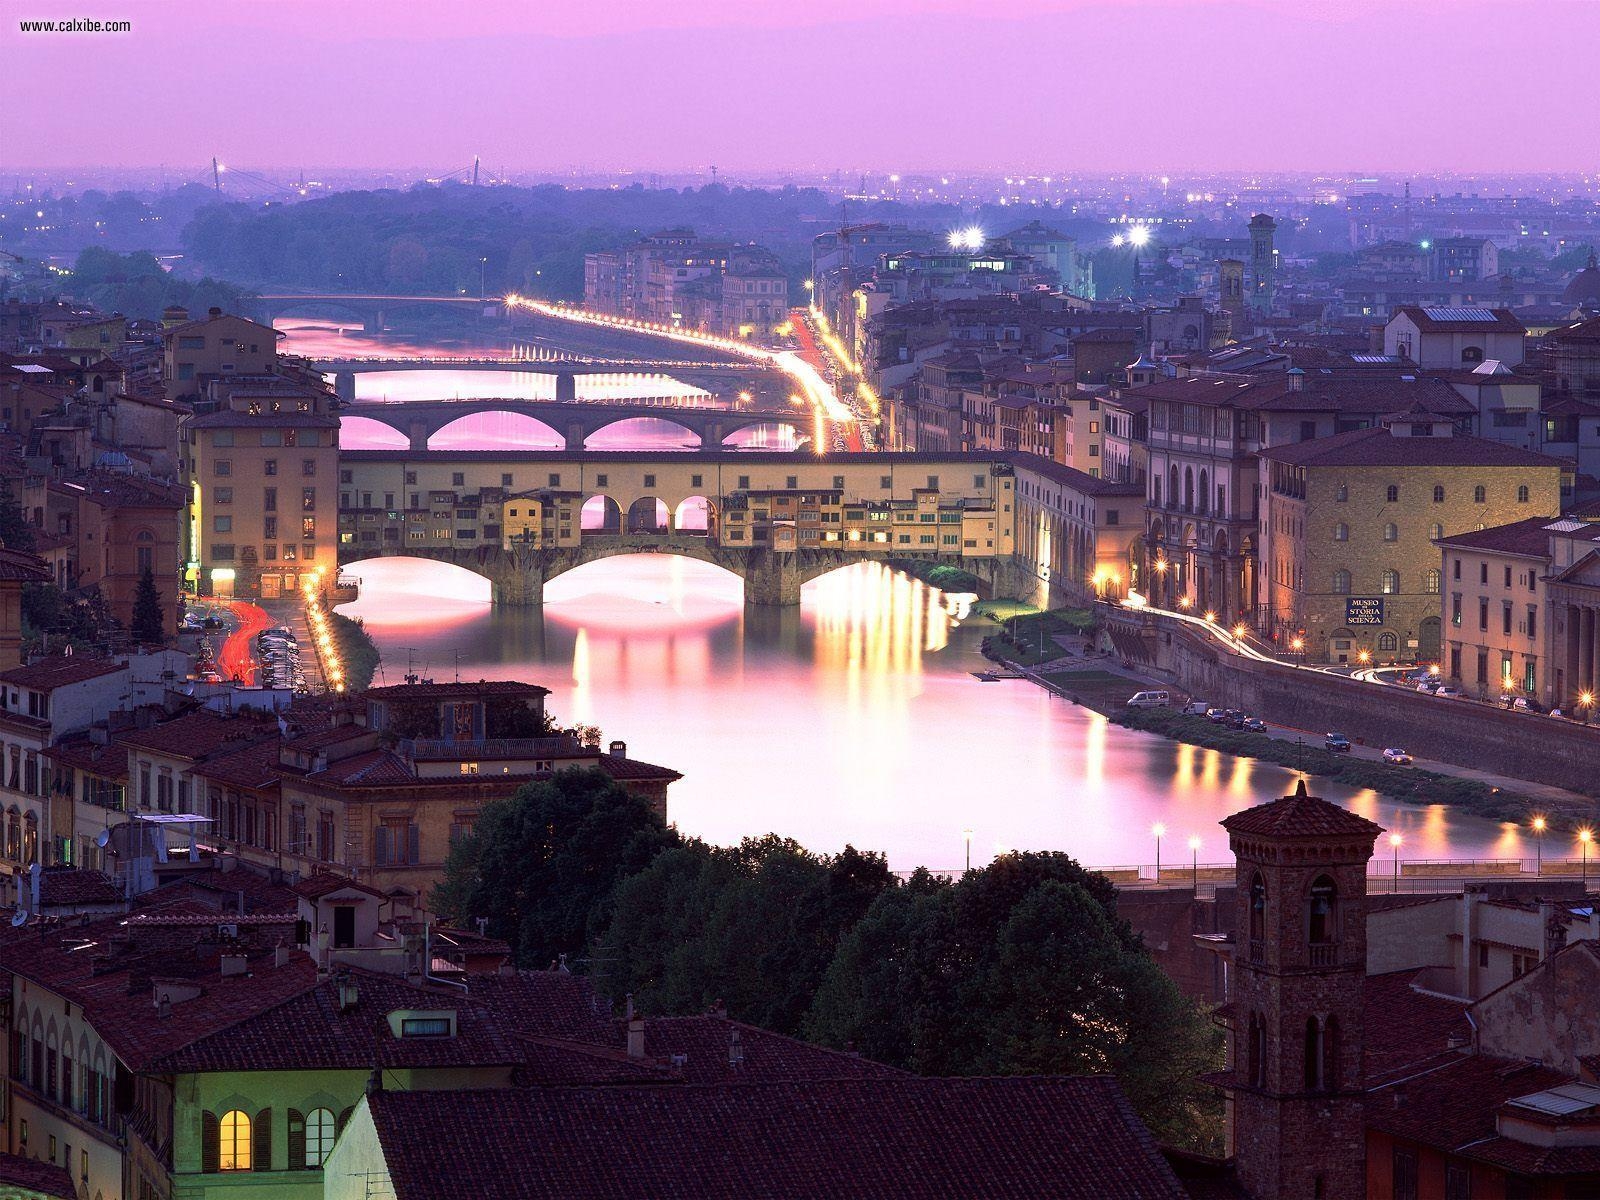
point(753, 925)
point(1020, 968)
point(542, 865)
point(15, 532)
point(149, 621)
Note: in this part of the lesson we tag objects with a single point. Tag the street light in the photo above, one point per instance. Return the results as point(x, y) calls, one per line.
point(1394, 843)
point(1585, 703)
point(1160, 832)
point(1585, 836)
point(967, 834)
point(1194, 863)
point(1538, 845)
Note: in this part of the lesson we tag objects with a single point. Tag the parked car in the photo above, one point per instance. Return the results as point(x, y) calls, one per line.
point(1236, 719)
point(1527, 704)
point(1337, 742)
point(1449, 692)
point(1428, 685)
point(1397, 756)
point(1255, 725)
point(1196, 708)
point(1216, 715)
point(1153, 699)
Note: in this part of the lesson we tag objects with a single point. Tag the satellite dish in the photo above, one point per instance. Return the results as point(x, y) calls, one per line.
point(19, 918)
point(103, 838)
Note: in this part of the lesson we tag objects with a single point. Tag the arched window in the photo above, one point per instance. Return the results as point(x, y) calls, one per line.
point(1341, 532)
point(1430, 581)
point(1203, 496)
point(1388, 642)
point(1472, 354)
point(1391, 532)
point(1321, 926)
point(1155, 491)
point(320, 1133)
point(1392, 493)
point(1258, 908)
point(1342, 494)
point(1341, 582)
point(1313, 1055)
point(1188, 489)
point(1522, 493)
point(1172, 489)
point(234, 1141)
point(1391, 583)
point(1479, 494)
point(1438, 493)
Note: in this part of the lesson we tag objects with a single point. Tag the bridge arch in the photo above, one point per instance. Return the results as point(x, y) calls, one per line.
point(600, 514)
point(495, 429)
point(649, 514)
point(448, 575)
point(694, 514)
point(618, 430)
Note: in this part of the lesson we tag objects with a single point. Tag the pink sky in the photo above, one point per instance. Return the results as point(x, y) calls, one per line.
point(1041, 85)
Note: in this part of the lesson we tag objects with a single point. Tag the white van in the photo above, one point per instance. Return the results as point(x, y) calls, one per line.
point(1150, 700)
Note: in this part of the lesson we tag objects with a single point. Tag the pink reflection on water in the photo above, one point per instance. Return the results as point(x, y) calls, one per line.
point(854, 718)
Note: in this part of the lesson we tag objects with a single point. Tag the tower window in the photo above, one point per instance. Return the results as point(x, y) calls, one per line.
point(1324, 898)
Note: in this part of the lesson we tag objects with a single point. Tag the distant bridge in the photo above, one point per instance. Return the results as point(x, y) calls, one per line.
point(756, 379)
point(573, 420)
point(373, 310)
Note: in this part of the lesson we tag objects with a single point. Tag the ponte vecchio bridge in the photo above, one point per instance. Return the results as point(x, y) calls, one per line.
point(777, 520)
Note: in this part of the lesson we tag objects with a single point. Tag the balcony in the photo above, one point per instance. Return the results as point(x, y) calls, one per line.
point(1324, 954)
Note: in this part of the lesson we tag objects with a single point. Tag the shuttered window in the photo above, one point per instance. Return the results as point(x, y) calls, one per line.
point(261, 1141)
point(297, 1139)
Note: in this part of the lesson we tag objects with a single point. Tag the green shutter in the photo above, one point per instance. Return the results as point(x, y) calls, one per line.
point(297, 1140)
point(210, 1144)
point(261, 1141)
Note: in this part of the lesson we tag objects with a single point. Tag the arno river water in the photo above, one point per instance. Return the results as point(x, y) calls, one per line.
point(854, 719)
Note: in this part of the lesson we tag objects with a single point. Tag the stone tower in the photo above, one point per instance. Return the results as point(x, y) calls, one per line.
point(1263, 262)
point(1300, 962)
point(1230, 276)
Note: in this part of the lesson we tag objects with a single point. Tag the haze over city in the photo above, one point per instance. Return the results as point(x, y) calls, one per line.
point(1019, 85)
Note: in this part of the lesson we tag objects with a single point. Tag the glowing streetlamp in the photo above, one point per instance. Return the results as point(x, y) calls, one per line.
point(1585, 704)
point(1185, 602)
point(1160, 831)
point(1364, 657)
point(1394, 844)
point(1239, 631)
point(1194, 863)
point(1211, 617)
point(967, 835)
point(1585, 836)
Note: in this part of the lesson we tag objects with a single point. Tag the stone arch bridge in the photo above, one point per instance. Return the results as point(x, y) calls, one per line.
point(575, 422)
point(771, 577)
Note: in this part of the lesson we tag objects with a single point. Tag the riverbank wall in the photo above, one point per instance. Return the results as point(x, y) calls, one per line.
point(1521, 745)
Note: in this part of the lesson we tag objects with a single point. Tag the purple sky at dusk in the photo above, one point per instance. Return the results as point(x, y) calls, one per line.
point(1024, 85)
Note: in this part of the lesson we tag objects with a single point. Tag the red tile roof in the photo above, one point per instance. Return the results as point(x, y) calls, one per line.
point(707, 1044)
point(1452, 1104)
point(1300, 815)
point(326, 883)
point(201, 734)
point(1406, 1030)
point(72, 885)
point(1527, 538)
point(251, 767)
point(35, 1177)
point(1378, 447)
point(1427, 318)
point(894, 1139)
point(18, 566)
point(60, 670)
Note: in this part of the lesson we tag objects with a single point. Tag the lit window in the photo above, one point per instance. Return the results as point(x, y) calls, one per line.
point(425, 1027)
point(319, 1136)
point(235, 1142)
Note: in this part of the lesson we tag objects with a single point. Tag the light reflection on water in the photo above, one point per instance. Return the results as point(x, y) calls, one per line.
point(853, 719)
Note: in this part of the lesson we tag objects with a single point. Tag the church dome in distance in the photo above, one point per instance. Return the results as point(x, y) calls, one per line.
point(1585, 286)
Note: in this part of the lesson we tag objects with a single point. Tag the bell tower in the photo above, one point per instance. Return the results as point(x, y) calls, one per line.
point(1299, 966)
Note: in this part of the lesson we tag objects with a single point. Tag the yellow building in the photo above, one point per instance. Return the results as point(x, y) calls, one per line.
point(1348, 525)
point(263, 469)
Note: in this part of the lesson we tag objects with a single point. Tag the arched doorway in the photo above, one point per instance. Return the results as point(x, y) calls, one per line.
point(693, 515)
point(649, 515)
point(601, 514)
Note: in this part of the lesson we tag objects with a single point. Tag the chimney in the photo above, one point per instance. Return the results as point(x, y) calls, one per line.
point(636, 1037)
point(280, 956)
point(619, 749)
point(1297, 379)
point(735, 1050)
point(233, 964)
point(349, 995)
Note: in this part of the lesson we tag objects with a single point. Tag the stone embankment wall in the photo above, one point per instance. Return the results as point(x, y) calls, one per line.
point(1522, 745)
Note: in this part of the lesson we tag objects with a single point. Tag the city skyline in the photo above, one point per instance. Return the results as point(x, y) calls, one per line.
point(1251, 87)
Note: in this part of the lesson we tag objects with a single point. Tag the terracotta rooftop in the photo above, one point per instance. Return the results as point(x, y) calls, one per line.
point(30, 1177)
point(894, 1139)
point(62, 886)
point(18, 566)
point(1378, 447)
point(1527, 538)
point(1444, 319)
point(1300, 815)
point(1078, 481)
point(326, 883)
point(201, 734)
point(60, 670)
point(1406, 1030)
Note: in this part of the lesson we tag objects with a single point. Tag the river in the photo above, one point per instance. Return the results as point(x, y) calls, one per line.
point(854, 719)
